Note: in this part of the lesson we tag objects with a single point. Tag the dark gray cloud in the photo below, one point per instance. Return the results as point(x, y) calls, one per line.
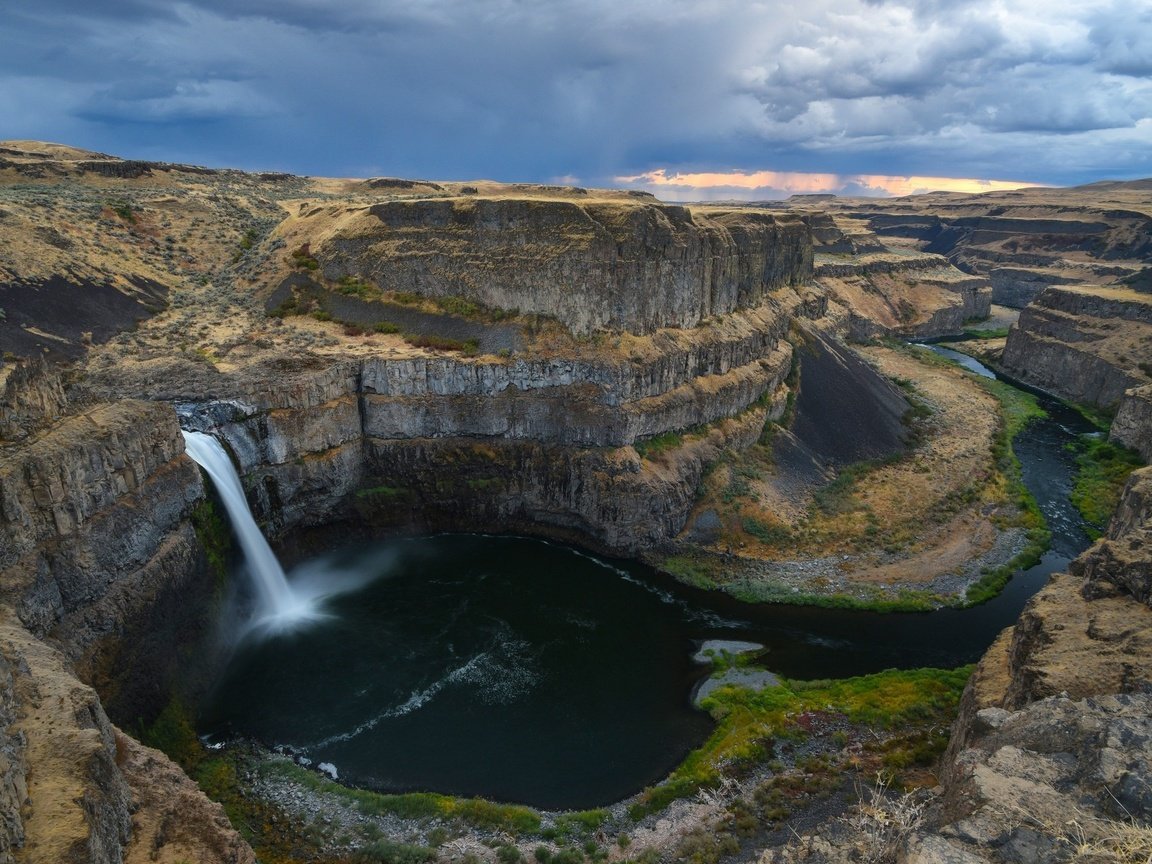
point(1053, 91)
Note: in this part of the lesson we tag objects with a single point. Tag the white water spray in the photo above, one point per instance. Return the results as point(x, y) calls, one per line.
point(279, 606)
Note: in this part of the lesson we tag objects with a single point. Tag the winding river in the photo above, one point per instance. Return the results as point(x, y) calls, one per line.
point(526, 671)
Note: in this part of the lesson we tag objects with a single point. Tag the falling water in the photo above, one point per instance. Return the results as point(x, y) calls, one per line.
point(279, 607)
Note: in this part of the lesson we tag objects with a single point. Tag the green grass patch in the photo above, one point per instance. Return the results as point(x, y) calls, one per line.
point(770, 533)
point(382, 491)
point(302, 259)
point(442, 343)
point(838, 497)
point(749, 721)
point(1103, 470)
point(870, 599)
point(1019, 407)
point(173, 734)
point(515, 819)
point(657, 444)
point(580, 822)
point(692, 570)
point(215, 538)
point(125, 211)
point(998, 333)
point(354, 286)
point(393, 852)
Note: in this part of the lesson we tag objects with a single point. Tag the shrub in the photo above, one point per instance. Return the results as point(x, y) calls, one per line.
point(173, 735)
point(442, 343)
point(302, 258)
point(657, 444)
point(391, 852)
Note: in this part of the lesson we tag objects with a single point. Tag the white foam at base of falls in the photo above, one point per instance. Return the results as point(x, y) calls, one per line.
point(279, 607)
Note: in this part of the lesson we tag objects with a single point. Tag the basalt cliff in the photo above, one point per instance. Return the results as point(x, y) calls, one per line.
point(400, 355)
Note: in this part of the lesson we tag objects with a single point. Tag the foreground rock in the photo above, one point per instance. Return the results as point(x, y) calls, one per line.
point(76, 790)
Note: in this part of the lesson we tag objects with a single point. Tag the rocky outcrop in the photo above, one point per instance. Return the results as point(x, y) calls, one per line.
point(13, 767)
point(76, 789)
point(1132, 426)
point(914, 296)
point(31, 396)
point(1055, 781)
point(92, 503)
point(1050, 759)
point(592, 265)
point(1120, 561)
point(172, 820)
point(1082, 343)
point(75, 805)
point(1054, 723)
point(1016, 287)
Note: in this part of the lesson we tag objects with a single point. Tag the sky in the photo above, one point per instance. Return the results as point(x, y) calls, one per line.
point(689, 99)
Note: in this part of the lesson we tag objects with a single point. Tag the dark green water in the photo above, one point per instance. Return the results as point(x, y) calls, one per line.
point(504, 667)
point(530, 672)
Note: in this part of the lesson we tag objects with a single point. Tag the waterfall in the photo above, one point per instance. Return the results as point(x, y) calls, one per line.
point(278, 606)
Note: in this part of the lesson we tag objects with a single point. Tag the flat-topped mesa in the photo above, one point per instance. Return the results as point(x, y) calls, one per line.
point(600, 264)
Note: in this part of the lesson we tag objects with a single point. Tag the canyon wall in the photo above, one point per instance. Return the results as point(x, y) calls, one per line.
point(592, 265)
point(76, 790)
point(914, 297)
point(1133, 424)
point(103, 562)
point(536, 444)
point(1083, 343)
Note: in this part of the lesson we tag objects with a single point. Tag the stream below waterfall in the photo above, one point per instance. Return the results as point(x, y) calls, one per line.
point(527, 671)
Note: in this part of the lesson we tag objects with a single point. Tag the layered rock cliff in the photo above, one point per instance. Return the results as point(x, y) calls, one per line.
point(1133, 424)
point(1086, 344)
point(891, 291)
point(535, 443)
point(592, 265)
point(76, 790)
point(1025, 239)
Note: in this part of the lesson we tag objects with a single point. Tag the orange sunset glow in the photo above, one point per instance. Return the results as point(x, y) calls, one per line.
point(799, 183)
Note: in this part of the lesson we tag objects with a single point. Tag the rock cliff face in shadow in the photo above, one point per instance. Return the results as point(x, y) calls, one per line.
point(1133, 424)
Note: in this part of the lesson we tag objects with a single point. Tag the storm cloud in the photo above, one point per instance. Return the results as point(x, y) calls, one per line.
point(1045, 92)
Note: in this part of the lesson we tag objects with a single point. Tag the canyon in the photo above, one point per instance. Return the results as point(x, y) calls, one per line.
point(669, 383)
